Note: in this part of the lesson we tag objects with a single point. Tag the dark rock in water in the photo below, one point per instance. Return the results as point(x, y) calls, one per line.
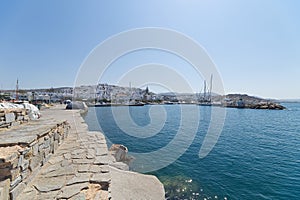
point(77, 105)
point(269, 106)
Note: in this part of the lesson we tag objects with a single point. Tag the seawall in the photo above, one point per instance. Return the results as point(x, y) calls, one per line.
point(56, 157)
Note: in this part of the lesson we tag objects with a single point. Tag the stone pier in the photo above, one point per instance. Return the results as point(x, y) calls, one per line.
point(77, 166)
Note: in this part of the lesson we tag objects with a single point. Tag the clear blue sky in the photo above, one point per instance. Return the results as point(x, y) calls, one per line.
point(255, 44)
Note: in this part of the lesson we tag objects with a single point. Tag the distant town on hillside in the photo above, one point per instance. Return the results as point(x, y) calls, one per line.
point(111, 94)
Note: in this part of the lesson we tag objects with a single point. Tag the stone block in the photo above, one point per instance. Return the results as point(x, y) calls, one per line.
point(60, 130)
point(83, 168)
point(24, 174)
point(5, 173)
point(52, 195)
point(9, 157)
point(14, 174)
point(51, 144)
point(55, 145)
point(83, 161)
point(78, 151)
point(24, 165)
point(56, 159)
point(26, 118)
point(65, 163)
point(101, 178)
point(79, 156)
point(104, 168)
point(51, 147)
point(14, 162)
point(56, 136)
point(47, 143)
point(15, 123)
point(23, 151)
point(16, 191)
point(29, 193)
point(10, 117)
point(67, 156)
point(41, 147)
point(104, 160)
point(79, 178)
point(49, 184)
point(35, 149)
point(91, 153)
point(5, 165)
point(80, 196)
point(35, 162)
point(101, 151)
point(4, 189)
point(20, 161)
point(95, 169)
point(62, 171)
point(32, 143)
point(45, 159)
point(15, 182)
point(71, 190)
point(20, 118)
point(47, 150)
point(28, 154)
point(59, 139)
point(120, 165)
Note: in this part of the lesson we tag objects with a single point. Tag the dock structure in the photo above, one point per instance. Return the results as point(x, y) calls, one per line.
point(56, 157)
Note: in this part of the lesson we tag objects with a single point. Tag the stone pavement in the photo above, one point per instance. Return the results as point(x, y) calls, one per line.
point(82, 169)
point(79, 168)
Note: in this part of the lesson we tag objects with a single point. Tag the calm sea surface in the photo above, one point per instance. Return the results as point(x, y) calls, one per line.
point(256, 157)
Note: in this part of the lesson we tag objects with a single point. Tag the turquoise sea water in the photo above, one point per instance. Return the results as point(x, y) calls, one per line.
point(256, 157)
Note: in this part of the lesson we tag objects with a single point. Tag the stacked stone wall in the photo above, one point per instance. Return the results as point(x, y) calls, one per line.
point(21, 159)
point(13, 117)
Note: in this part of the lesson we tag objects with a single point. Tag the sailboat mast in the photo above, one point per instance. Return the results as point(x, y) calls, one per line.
point(204, 93)
point(130, 91)
point(210, 89)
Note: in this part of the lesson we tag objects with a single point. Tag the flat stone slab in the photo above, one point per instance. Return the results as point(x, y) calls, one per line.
point(79, 178)
point(27, 133)
point(101, 178)
point(62, 171)
point(83, 168)
point(104, 160)
point(49, 195)
point(79, 196)
point(132, 185)
point(49, 184)
point(72, 190)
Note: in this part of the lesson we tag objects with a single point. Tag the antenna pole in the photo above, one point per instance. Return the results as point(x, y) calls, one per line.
point(17, 90)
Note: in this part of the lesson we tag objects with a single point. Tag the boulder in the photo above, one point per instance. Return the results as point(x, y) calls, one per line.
point(120, 152)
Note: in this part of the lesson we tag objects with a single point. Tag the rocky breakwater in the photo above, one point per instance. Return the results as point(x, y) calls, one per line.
point(246, 101)
point(266, 105)
point(83, 168)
